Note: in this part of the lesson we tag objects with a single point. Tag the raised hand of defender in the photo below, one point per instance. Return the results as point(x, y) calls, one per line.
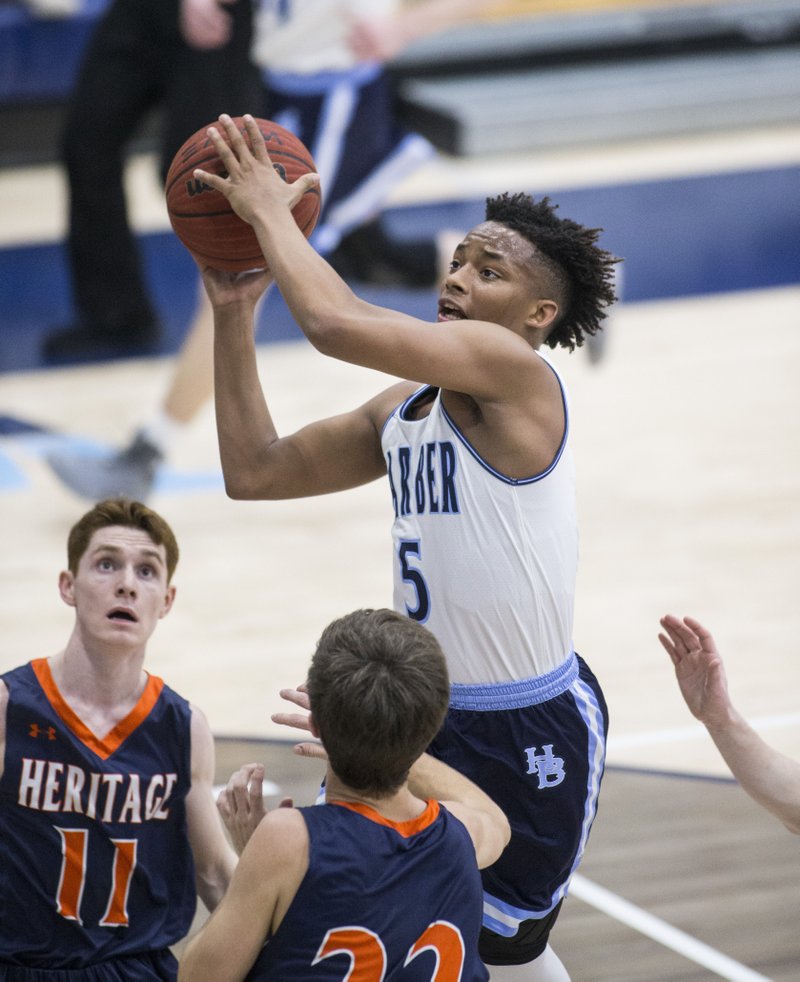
point(252, 185)
point(300, 721)
point(241, 803)
point(698, 668)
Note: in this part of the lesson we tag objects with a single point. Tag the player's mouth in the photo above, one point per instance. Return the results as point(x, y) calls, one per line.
point(448, 311)
point(122, 614)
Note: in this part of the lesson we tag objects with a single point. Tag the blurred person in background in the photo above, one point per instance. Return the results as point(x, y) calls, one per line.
point(183, 58)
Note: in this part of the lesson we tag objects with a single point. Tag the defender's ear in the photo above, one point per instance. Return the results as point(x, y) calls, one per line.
point(169, 598)
point(66, 587)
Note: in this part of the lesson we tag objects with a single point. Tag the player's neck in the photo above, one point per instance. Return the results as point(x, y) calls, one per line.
point(101, 683)
point(401, 806)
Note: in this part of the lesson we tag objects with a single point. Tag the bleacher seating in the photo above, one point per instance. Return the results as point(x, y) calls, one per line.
point(614, 72)
point(519, 82)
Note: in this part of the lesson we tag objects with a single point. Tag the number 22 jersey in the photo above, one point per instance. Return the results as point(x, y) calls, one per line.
point(380, 901)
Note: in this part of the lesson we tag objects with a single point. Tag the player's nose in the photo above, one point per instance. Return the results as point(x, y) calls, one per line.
point(456, 277)
point(126, 584)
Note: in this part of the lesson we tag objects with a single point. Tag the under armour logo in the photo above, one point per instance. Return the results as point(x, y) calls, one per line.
point(549, 769)
point(37, 731)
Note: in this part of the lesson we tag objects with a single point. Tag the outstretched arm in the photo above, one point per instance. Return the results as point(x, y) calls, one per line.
point(331, 455)
point(483, 359)
point(768, 776)
point(486, 823)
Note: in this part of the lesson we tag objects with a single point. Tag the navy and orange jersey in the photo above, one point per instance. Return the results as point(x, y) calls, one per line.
point(95, 862)
point(380, 900)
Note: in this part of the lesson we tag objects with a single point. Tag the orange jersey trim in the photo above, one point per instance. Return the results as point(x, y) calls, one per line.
point(114, 738)
point(408, 828)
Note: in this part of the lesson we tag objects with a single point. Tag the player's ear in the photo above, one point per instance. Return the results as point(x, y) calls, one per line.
point(66, 587)
point(169, 599)
point(313, 726)
point(542, 315)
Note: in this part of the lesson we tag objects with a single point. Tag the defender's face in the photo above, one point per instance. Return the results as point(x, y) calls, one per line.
point(491, 278)
point(120, 591)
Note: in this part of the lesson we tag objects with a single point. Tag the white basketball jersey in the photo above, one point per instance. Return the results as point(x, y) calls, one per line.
point(308, 36)
point(486, 562)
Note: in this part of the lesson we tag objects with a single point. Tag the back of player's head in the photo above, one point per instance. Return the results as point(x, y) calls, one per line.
point(129, 514)
point(574, 271)
point(379, 689)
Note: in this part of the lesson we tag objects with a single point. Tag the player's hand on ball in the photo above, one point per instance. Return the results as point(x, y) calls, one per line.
point(226, 289)
point(201, 215)
point(252, 185)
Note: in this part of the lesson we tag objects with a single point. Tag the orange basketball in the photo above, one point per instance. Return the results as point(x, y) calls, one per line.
point(201, 216)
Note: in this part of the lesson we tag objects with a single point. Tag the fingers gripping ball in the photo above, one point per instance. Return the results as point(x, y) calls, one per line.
point(202, 217)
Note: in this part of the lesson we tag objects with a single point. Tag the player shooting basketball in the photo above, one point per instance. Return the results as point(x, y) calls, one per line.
point(483, 492)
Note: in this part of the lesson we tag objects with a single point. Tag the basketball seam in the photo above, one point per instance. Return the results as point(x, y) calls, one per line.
point(229, 211)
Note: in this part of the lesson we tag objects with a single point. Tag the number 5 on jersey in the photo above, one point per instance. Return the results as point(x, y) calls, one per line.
point(410, 550)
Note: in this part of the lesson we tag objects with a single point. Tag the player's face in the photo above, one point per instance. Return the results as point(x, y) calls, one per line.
point(491, 278)
point(120, 590)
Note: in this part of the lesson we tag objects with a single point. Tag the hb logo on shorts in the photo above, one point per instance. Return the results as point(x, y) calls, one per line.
point(549, 769)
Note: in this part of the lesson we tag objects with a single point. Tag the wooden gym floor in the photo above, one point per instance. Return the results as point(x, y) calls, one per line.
point(687, 436)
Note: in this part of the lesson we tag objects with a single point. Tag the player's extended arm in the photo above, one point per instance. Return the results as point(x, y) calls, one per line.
point(486, 823)
point(331, 455)
point(485, 360)
point(214, 858)
point(265, 881)
point(768, 776)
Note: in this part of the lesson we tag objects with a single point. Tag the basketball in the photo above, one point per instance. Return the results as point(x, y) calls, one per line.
point(203, 219)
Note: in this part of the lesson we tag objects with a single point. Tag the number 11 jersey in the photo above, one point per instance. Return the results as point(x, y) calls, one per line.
point(95, 862)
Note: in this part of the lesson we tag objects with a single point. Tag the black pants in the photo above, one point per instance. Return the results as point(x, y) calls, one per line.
point(137, 61)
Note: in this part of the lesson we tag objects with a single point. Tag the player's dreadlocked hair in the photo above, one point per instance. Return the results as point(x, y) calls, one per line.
point(582, 274)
